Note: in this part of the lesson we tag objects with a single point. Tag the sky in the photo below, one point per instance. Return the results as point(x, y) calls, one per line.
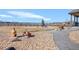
point(34, 15)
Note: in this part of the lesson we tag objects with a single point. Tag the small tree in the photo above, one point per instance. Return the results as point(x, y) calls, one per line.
point(43, 23)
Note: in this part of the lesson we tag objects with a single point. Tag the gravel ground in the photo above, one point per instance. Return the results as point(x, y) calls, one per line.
point(74, 36)
point(43, 40)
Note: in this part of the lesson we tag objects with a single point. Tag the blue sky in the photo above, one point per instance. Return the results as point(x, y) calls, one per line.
point(34, 15)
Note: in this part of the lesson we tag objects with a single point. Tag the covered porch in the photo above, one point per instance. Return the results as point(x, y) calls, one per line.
point(74, 17)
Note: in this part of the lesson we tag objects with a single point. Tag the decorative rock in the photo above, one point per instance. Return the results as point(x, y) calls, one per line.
point(11, 48)
point(13, 32)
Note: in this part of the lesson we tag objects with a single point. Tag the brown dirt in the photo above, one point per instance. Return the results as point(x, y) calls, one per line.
point(43, 40)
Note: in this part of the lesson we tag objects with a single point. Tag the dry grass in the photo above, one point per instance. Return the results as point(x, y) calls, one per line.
point(20, 29)
point(43, 40)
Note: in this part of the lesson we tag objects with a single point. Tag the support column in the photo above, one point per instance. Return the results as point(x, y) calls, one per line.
point(74, 20)
point(77, 20)
point(71, 20)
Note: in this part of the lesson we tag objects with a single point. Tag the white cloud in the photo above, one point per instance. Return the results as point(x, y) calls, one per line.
point(28, 15)
point(5, 16)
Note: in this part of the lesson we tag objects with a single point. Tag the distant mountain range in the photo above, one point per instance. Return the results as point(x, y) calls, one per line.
point(25, 23)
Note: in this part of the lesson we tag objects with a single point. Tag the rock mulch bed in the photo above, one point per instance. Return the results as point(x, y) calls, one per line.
point(43, 40)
